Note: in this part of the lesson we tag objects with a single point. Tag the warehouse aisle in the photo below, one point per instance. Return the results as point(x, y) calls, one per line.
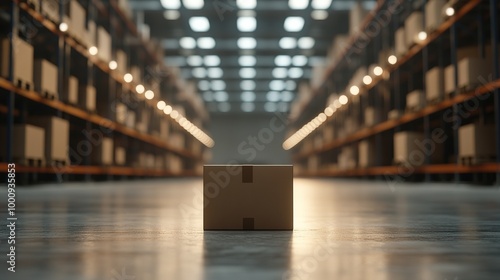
point(343, 230)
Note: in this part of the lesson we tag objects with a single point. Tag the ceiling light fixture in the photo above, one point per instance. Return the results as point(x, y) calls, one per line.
point(171, 4)
point(298, 4)
point(299, 60)
point(247, 43)
point(247, 107)
point(199, 24)
point(247, 73)
point(247, 60)
point(280, 73)
point(187, 43)
point(193, 4)
point(246, 24)
point(246, 4)
point(283, 60)
point(206, 43)
point(321, 4)
point(212, 60)
point(247, 96)
point(319, 15)
point(247, 85)
point(294, 24)
point(306, 43)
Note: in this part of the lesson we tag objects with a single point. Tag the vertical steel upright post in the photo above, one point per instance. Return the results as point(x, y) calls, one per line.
point(494, 44)
point(453, 53)
point(14, 21)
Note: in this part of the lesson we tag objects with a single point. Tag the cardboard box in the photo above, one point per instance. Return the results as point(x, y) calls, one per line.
point(473, 70)
point(50, 9)
point(414, 24)
point(415, 100)
point(56, 137)
point(400, 45)
point(45, 78)
point(173, 163)
point(90, 99)
point(357, 15)
point(121, 112)
point(371, 116)
point(434, 14)
point(103, 44)
point(77, 16)
point(28, 142)
point(89, 36)
point(366, 153)
point(121, 60)
point(347, 158)
point(477, 141)
point(406, 149)
point(394, 114)
point(449, 79)
point(22, 61)
point(103, 153)
point(120, 156)
point(434, 84)
point(130, 119)
point(258, 197)
point(72, 94)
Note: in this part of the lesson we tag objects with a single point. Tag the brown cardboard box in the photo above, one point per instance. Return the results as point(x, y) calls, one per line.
point(91, 98)
point(258, 197)
point(472, 71)
point(103, 153)
point(366, 153)
point(22, 61)
point(72, 94)
point(394, 114)
point(415, 100)
point(103, 44)
point(405, 148)
point(477, 141)
point(45, 75)
point(28, 142)
point(77, 16)
point(371, 116)
point(56, 137)
point(434, 14)
point(121, 112)
point(50, 9)
point(120, 155)
point(400, 45)
point(121, 60)
point(434, 84)
point(449, 79)
point(413, 25)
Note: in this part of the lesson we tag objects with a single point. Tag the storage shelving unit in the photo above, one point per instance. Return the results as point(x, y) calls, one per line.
point(474, 25)
point(70, 53)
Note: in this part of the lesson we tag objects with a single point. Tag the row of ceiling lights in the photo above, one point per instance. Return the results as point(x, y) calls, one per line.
point(161, 105)
point(250, 107)
point(319, 7)
point(247, 43)
point(248, 96)
point(247, 85)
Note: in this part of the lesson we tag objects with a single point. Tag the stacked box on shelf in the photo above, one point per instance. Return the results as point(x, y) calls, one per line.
point(87, 97)
point(77, 18)
point(313, 163)
point(347, 158)
point(121, 112)
point(130, 119)
point(28, 144)
point(163, 128)
point(472, 71)
point(72, 93)
point(476, 143)
point(366, 153)
point(56, 138)
point(400, 45)
point(414, 24)
point(176, 139)
point(103, 152)
point(449, 79)
point(103, 44)
point(434, 84)
point(394, 114)
point(46, 77)
point(89, 34)
point(173, 163)
point(434, 14)
point(357, 15)
point(50, 9)
point(415, 100)
point(22, 59)
point(372, 116)
point(120, 156)
point(121, 60)
point(407, 149)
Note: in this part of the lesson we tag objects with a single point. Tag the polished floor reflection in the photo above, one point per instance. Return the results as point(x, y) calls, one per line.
point(152, 229)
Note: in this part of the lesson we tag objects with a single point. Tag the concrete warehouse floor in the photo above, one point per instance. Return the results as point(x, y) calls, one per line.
point(138, 230)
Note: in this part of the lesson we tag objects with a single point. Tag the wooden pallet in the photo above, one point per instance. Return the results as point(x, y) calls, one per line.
point(474, 160)
point(31, 162)
point(49, 95)
point(24, 84)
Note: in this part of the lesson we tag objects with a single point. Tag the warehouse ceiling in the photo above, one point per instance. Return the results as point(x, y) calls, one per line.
point(246, 56)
